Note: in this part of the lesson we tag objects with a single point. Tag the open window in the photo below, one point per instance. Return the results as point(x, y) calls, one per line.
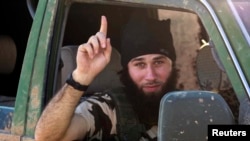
point(197, 64)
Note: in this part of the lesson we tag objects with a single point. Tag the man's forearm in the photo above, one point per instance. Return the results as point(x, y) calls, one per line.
point(57, 115)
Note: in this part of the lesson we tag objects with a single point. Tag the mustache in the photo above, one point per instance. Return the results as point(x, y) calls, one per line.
point(151, 83)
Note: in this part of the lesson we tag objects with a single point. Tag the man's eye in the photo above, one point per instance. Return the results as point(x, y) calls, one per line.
point(140, 65)
point(159, 62)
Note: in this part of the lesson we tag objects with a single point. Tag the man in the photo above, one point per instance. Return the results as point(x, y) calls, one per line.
point(147, 64)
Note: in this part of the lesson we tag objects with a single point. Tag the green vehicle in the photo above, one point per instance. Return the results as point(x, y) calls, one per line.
point(211, 38)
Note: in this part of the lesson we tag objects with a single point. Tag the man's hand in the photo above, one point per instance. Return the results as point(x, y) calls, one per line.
point(93, 56)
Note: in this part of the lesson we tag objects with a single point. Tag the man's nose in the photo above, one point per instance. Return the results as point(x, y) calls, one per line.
point(150, 73)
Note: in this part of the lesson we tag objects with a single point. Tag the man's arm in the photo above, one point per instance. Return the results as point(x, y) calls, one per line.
point(58, 116)
point(58, 121)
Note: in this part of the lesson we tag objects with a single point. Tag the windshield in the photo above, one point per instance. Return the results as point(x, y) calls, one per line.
point(241, 9)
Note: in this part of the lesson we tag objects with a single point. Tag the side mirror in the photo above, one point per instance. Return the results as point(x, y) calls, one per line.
point(185, 115)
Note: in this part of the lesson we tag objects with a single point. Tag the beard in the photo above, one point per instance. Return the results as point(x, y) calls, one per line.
point(148, 98)
point(146, 105)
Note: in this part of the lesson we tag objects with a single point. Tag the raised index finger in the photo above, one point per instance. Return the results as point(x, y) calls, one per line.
point(104, 25)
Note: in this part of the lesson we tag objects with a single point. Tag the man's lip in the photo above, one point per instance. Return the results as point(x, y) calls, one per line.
point(151, 86)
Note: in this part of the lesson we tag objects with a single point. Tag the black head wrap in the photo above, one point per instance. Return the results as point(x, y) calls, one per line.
point(143, 36)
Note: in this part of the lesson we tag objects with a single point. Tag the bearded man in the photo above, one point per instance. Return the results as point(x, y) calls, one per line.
point(147, 57)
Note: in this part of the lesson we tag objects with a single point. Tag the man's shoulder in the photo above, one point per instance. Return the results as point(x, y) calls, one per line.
point(120, 90)
point(107, 92)
point(96, 96)
point(115, 96)
point(118, 95)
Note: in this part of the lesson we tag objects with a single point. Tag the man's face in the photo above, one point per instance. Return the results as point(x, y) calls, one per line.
point(150, 73)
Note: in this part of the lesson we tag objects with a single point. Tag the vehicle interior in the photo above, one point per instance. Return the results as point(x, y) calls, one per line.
point(197, 64)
